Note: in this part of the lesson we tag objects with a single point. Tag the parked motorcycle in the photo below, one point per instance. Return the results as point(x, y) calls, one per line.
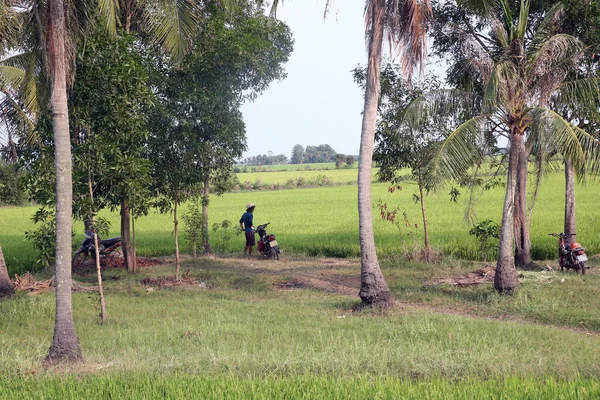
point(571, 256)
point(88, 250)
point(267, 245)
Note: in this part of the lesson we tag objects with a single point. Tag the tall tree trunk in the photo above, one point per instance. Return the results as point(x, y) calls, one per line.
point(205, 192)
point(373, 288)
point(176, 231)
point(65, 343)
point(570, 226)
point(128, 254)
point(6, 285)
point(521, 224)
point(505, 280)
point(103, 315)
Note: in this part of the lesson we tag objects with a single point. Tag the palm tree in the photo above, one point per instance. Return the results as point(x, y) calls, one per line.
point(402, 23)
point(520, 78)
point(65, 343)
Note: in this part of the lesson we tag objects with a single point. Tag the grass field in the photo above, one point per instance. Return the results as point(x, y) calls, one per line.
point(323, 222)
point(247, 337)
point(291, 167)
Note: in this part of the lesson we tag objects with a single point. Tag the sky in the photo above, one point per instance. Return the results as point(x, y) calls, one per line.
point(318, 102)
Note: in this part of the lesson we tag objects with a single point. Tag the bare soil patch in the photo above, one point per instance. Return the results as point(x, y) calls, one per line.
point(478, 277)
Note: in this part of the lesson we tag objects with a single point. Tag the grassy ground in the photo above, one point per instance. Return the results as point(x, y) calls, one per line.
point(289, 329)
point(323, 222)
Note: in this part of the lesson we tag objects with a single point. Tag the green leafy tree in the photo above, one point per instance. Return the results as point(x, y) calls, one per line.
point(297, 154)
point(110, 131)
point(198, 131)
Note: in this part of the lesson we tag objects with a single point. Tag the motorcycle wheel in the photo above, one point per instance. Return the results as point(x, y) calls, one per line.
point(275, 253)
point(582, 267)
point(79, 260)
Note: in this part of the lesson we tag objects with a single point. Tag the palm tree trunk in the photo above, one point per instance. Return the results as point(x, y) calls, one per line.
point(126, 236)
point(205, 241)
point(505, 280)
point(65, 343)
point(373, 288)
point(176, 232)
point(6, 285)
point(570, 226)
point(521, 225)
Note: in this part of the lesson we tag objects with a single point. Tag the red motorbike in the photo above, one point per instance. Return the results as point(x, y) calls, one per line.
point(571, 256)
point(267, 245)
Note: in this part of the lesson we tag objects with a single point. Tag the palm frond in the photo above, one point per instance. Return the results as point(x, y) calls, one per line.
point(454, 156)
point(557, 55)
point(109, 14)
point(172, 23)
point(274, 6)
point(406, 22)
point(11, 77)
point(523, 19)
point(547, 28)
point(580, 94)
point(575, 144)
point(441, 103)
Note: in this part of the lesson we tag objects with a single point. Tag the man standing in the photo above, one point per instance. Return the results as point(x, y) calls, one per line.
point(246, 223)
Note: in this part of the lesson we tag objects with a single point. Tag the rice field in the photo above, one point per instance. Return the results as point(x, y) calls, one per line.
point(323, 221)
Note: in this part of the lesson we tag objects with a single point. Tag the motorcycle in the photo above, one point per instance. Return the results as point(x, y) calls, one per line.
point(88, 250)
point(267, 245)
point(571, 256)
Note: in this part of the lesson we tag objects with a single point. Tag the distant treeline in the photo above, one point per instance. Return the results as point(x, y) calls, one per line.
point(322, 153)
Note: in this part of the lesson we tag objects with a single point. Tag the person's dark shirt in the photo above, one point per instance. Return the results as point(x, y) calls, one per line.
point(247, 219)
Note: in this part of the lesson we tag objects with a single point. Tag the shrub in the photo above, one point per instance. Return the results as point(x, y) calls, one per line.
point(485, 231)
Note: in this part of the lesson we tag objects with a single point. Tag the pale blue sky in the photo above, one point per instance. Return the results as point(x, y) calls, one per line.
point(318, 103)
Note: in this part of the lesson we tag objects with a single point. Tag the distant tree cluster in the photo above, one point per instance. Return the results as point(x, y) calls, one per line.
point(266, 159)
point(313, 154)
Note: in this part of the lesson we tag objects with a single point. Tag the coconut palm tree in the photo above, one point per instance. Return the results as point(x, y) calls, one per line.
point(521, 76)
point(402, 23)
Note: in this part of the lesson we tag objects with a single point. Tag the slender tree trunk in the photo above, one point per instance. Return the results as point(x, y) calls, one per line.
point(133, 241)
point(505, 280)
point(373, 288)
point(128, 254)
point(425, 227)
point(103, 315)
point(6, 285)
point(570, 226)
point(205, 192)
point(521, 225)
point(176, 231)
point(65, 345)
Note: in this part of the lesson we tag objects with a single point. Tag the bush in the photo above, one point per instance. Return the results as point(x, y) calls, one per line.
point(485, 231)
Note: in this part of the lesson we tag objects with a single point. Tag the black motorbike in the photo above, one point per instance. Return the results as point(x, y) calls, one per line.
point(267, 245)
point(88, 250)
point(571, 256)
